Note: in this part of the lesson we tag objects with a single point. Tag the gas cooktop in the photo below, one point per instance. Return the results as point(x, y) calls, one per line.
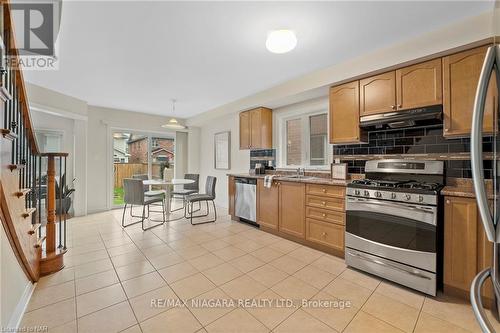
point(396, 184)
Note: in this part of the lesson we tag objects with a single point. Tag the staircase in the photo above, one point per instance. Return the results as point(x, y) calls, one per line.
point(35, 227)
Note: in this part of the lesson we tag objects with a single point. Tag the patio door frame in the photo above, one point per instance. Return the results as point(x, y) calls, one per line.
point(110, 170)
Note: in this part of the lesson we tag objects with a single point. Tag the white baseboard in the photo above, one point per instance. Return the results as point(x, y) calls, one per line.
point(17, 316)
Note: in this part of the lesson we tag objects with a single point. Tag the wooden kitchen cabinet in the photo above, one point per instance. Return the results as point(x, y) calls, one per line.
point(245, 140)
point(419, 85)
point(460, 242)
point(324, 233)
point(461, 73)
point(231, 194)
point(292, 208)
point(466, 248)
point(344, 114)
point(256, 129)
point(268, 205)
point(378, 94)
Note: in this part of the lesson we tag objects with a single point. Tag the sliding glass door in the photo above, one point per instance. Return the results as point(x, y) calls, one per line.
point(134, 154)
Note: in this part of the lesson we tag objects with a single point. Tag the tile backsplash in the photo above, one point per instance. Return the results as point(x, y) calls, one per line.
point(262, 156)
point(415, 140)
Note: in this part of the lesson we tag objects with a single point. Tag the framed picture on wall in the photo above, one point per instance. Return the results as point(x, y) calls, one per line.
point(222, 150)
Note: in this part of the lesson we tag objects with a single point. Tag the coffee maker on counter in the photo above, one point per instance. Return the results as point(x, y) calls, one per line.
point(260, 168)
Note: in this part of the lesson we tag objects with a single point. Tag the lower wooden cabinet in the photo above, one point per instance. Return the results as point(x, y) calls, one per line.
point(292, 208)
point(466, 249)
point(231, 193)
point(267, 205)
point(325, 233)
point(289, 210)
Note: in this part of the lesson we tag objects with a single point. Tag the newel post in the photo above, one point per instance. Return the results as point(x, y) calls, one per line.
point(51, 205)
point(53, 257)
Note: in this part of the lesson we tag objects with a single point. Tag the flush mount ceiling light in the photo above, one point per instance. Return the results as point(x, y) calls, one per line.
point(173, 123)
point(281, 41)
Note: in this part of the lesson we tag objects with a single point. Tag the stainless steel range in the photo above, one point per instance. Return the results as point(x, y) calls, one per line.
point(393, 227)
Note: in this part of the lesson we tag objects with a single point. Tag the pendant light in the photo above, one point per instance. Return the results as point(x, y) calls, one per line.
point(173, 123)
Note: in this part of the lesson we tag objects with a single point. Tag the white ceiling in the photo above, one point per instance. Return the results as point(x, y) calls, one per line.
point(138, 55)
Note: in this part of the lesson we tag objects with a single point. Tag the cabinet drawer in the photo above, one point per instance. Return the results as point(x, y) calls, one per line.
point(325, 202)
point(326, 190)
point(328, 234)
point(325, 215)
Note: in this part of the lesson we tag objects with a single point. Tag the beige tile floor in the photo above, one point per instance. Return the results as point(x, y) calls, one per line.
point(113, 275)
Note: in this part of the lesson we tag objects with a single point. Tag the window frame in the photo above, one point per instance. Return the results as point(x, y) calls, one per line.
point(305, 142)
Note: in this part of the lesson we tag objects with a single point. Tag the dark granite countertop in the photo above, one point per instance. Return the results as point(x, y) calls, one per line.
point(463, 187)
point(306, 179)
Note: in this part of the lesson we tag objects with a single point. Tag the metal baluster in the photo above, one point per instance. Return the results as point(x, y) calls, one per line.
point(60, 210)
point(65, 167)
point(33, 188)
point(40, 192)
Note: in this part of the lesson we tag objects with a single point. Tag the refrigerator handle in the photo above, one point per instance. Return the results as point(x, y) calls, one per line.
point(477, 144)
point(477, 303)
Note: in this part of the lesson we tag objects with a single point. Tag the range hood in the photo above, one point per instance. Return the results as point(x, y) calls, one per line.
point(404, 118)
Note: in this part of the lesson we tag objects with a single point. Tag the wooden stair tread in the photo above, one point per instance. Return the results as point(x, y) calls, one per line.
point(8, 134)
point(34, 228)
point(28, 212)
point(51, 255)
point(13, 167)
point(40, 241)
point(22, 192)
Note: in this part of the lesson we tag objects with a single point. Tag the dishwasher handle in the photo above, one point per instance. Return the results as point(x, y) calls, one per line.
point(250, 181)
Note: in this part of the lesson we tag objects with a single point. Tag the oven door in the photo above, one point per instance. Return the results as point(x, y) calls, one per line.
point(405, 233)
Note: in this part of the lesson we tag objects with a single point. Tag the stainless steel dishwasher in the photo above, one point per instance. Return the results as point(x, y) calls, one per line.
point(246, 200)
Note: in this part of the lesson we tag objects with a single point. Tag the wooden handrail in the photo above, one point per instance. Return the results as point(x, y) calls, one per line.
point(23, 98)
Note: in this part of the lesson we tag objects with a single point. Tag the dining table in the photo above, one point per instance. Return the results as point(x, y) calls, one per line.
point(168, 184)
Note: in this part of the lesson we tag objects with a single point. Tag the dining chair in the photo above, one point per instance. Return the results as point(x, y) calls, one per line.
point(147, 192)
point(209, 195)
point(187, 189)
point(133, 194)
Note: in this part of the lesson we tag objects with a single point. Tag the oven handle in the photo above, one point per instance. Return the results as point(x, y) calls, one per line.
point(381, 263)
point(399, 205)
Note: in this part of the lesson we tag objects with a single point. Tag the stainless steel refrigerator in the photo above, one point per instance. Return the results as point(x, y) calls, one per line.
point(487, 200)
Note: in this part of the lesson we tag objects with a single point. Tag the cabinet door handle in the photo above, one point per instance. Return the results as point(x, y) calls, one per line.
point(393, 107)
point(399, 106)
point(324, 190)
point(323, 203)
point(323, 234)
point(324, 215)
point(448, 201)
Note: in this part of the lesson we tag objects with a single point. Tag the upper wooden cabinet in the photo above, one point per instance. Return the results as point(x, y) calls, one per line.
point(245, 139)
point(378, 94)
point(256, 129)
point(344, 114)
point(419, 85)
point(460, 77)
point(292, 208)
point(267, 204)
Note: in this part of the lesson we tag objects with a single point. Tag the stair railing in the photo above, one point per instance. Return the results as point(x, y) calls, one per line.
point(32, 166)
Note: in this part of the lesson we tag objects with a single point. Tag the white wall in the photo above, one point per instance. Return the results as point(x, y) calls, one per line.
point(193, 149)
point(240, 159)
point(181, 158)
point(101, 123)
point(13, 284)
